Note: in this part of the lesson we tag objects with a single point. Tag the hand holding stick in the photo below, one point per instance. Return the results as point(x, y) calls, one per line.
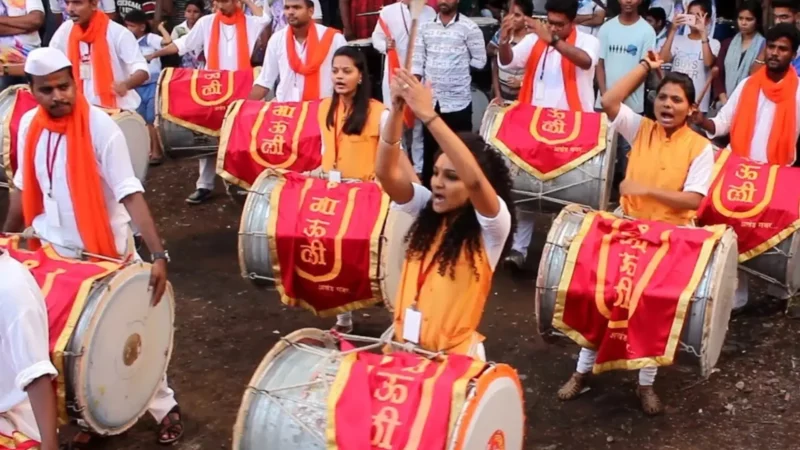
point(714, 74)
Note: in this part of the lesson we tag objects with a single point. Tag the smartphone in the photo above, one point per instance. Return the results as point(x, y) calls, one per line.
point(688, 19)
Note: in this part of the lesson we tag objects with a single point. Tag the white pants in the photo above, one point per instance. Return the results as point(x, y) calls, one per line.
point(162, 402)
point(587, 357)
point(740, 299)
point(524, 233)
point(208, 170)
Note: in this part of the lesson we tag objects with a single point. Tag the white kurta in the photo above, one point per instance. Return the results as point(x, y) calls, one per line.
point(764, 117)
point(276, 65)
point(126, 58)
point(116, 174)
point(24, 346)
point(549, 74)
point(199, 38)
point(398, 18)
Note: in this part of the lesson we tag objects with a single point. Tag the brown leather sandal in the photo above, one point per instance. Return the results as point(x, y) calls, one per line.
point(651, 404)
point(573, 387)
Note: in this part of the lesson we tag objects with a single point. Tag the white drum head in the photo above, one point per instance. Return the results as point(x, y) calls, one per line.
point(718, 311)
point(494, 415)
point(480, 102)
point(138, 139)
point(126, 345)
point(393, 254)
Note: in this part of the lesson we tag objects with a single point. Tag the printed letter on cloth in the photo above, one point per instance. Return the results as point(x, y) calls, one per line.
point(399, 401)
point(743, 196)
point(547, 142)
point(627, 286)
point(197, 99)
point(23, 102)
point(259, 135)
point(324, 239)
point(65, 285)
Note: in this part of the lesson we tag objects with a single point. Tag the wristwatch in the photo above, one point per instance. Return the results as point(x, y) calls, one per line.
point(555, 40)
point(160, 255)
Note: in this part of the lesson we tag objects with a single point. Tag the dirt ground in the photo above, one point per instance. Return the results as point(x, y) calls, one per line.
point(225, 326)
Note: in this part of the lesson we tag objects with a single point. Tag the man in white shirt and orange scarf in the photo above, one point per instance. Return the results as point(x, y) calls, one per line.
point(80, 194)
point(559, 62)
point(762, 115)
point(227, 39)
point(300, 56)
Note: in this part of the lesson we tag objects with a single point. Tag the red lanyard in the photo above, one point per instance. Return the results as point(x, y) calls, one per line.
point(52, 152)
point(337, 132)
point(424, 272)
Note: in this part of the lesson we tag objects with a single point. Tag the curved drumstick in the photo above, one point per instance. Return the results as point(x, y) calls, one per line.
point(30, 234)
point(415, 8)
point(714, 74)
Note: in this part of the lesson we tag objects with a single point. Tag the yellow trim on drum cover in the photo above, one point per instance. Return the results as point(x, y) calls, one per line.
point(226, 131)
point(165, 78)
point(460, 394)
point(339, 383)
point(375, 249)
point(505, 150)
point(11, 90)
point(771, 242)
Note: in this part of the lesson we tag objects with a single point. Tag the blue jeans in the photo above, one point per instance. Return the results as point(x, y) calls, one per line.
point(147, 109)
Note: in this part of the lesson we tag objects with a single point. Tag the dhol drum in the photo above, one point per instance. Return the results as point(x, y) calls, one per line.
point(119, 351)
point(286, 404)
point(374, 64)
point(779, 265)
point(707, 323)
point(133, 128)
point(255, 256)
point(7, 98)
point(588, 184)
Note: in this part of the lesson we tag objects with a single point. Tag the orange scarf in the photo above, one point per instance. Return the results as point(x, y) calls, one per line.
point(568, 70)
point(103, 76)
point(782, 138)
point(83, 178)
point(316, 51)
point(393, 61)
point(242, 44)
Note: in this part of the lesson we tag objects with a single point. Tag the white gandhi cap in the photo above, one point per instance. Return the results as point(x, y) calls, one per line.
point(45, 60)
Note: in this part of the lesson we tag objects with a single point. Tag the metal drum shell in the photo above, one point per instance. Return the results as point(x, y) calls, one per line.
point(76, 362)
point(589, 184)
point(709, 313)
point(781, 263)
point(181, 142)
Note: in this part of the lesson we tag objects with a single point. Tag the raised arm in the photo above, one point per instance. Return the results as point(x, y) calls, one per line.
point(666, 50)
point(574, 54)
point(395, 180)
point(420, 99)
point(617, 94)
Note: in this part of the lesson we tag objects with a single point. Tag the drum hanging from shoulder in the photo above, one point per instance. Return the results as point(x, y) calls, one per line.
point(15, 101)
point(582, 180)
point(780, 264)
point(286, 405)
point(137, 137)
point(708, 314)
point(257, 256)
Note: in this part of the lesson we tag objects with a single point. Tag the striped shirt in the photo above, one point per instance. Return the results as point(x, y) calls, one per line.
point(443, 55)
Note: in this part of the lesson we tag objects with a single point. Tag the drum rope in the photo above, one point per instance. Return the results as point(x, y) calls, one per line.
point(764, 277)
point(286, 411)
point(30, 234)
point(689, 349)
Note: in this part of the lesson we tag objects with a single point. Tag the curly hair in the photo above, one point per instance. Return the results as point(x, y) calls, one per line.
point(463, 229)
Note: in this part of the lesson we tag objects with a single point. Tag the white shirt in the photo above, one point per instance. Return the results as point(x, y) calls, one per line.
point(687, 58)
point(126, 58)
point(276, 66)
point(10, 8)
point(24, 339)
point(698, 179)
point(398, 19)
point(589, 8)
point(494, 230)
point(765, 114)
point(107, 6)
point(116, 174)
point(199, 39)
point(553, 94)
point(149, 44)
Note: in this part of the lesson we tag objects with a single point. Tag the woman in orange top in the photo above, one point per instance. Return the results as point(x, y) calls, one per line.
point(461, 228)
point(668, 174)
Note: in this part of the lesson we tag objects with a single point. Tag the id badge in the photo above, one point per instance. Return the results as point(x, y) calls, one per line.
point(412, 324)
point(86, 71)
point(335, 176)
point(51, 211)
point(539, 90)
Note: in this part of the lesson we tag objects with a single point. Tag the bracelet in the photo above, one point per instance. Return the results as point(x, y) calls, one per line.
point(429, 121)
point(390, 144)
point(704, 41)
point(646, 65)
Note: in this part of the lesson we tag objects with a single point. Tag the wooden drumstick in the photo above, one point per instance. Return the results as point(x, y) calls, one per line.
point(714, 74)
point(415, 7)
point(27, 236)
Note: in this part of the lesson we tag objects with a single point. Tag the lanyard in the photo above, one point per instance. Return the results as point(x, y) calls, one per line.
point(422, 276)
point(403, 15)
point(337, 133)
point(51, 159)
point(544, 63)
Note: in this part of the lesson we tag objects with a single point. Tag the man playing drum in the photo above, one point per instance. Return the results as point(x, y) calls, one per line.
point(27, 399)
point(559, 63)
point(762, 115)
point(299, 57)
point(80, 192)
point(226, 39)
point(668, 175)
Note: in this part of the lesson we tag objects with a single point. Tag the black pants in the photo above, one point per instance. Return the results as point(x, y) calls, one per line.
point(457, 121)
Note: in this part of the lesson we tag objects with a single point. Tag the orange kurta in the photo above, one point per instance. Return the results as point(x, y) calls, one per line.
point(662, 162)
point(451, 307)
point(356, 153)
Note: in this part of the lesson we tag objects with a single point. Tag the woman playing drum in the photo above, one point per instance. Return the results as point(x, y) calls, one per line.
point(668, 174)
point(460, 231)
